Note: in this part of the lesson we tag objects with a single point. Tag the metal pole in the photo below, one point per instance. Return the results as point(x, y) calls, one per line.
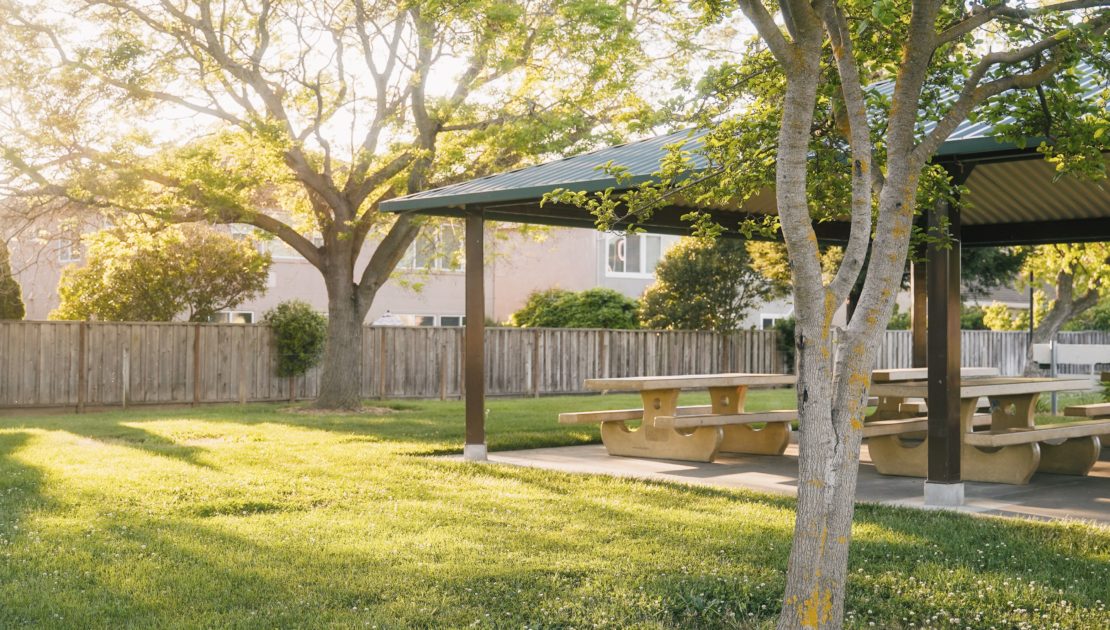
point(1052, 368)
point(474, 448)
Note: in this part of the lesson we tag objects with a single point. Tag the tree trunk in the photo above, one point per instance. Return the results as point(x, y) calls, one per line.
point(831, 409)
point(1064, 308)
point(341, 377)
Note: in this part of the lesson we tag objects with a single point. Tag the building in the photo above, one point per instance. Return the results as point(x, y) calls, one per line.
point(427, 287)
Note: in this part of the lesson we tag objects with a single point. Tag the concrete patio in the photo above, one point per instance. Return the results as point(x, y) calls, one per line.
point(1046, 496)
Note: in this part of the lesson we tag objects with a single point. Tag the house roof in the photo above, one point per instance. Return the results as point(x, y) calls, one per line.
point(1014, 195)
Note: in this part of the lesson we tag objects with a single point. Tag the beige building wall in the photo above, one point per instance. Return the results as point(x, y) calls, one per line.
point(516, 265)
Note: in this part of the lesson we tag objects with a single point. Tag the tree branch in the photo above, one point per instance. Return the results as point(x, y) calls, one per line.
point(859, 136)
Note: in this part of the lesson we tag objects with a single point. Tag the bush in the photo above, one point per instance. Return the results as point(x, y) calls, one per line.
point(593, 308)
point(300, 333)
point(785, 341)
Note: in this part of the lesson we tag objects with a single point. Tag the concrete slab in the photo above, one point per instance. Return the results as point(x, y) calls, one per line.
point(1047, 497)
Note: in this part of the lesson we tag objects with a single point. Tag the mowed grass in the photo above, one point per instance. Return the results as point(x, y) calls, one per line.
point(259, 517)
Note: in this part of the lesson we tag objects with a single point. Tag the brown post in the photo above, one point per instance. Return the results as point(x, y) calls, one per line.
point(82, 366)
point(944, 484)
point(196, 364)
point(475, 447)
point(292, 389)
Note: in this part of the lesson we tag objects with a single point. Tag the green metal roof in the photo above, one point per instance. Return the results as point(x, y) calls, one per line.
point(1025, 193)
point(579, 172)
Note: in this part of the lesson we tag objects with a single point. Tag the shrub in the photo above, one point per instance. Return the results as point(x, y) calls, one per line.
point(300, 333)
point(785, 341)
point(592, 308)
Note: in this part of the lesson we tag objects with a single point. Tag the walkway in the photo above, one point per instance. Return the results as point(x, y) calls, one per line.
point(1046, 497)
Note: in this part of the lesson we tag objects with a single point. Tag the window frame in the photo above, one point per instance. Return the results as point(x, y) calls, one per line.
point(610, 239)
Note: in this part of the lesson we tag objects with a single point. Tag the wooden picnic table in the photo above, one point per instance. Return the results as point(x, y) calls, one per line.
point(695, 433)
point(1012, 448)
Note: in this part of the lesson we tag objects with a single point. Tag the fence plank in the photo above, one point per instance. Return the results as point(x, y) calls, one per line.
point(42, 363)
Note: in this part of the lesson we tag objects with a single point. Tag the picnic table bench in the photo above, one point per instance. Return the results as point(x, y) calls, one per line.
point(1011, 448)
point(1095, 411)
point(691, 433)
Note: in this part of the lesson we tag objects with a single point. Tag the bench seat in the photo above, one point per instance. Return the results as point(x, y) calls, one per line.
point(620, 415)
point(691, 421)
point(1097, 410)
point(919, 424)
point(1027, 435)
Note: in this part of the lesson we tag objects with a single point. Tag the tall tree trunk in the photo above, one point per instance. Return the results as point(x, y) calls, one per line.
point(341, 376)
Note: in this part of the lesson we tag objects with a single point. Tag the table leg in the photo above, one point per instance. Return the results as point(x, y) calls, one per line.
point(697, 445)
point(1076, 456)
point(739, 438)
point(1007, 464)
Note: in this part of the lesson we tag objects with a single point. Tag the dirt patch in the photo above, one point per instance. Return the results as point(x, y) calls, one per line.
point(361, 411)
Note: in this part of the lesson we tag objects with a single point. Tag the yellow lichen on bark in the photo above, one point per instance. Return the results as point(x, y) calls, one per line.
point(816, 608)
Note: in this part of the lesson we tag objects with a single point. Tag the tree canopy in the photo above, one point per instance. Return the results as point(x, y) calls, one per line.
point(158, 273)
point(299, 118)
point(703, 285)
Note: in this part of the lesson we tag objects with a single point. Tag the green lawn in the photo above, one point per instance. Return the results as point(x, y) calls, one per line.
point(258, 517)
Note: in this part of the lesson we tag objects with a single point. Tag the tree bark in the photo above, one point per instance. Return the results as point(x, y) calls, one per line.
point(341, 375)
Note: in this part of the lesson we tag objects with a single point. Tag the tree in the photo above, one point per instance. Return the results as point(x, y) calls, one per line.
point(812, 126)
point(986, 268)
point(1080, 274)
point(592, 308)
point(1098, 318)
point(703, 285)
point(136, 274)
point(299, 118)
point(11, 297)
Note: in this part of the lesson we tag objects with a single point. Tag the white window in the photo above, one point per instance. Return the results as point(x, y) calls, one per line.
point(232, 317)
point(767, 321)
point(69, 247)
point(430, 320)
point(436, 248)
point(633, 255)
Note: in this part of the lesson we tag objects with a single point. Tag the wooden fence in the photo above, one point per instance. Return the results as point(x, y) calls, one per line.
point(79, 364)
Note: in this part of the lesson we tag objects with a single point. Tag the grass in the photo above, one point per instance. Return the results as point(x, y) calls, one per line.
point(258, 517)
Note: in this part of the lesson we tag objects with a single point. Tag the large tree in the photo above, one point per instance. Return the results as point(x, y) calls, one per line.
point(843, 105)
point(299, 118)
point(158, 273)
point(827, 55)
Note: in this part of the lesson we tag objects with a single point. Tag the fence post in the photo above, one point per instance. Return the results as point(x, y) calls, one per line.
point(196, 364)
point(242, 365)
point(82, 366)
point(443, 369)
point(381, 363)
point(536, 363)
point(125, 376)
